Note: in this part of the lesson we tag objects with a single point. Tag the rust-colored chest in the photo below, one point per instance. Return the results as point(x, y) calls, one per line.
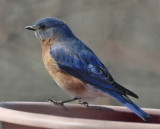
point(49, 62)
point(64, 80)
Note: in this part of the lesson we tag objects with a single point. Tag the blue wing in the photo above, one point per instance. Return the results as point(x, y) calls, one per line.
point(77, 59)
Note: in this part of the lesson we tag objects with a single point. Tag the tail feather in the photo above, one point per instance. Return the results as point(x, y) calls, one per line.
point(132, 106)
point(128, 92)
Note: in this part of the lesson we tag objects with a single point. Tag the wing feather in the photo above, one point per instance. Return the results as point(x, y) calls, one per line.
point(79, 61)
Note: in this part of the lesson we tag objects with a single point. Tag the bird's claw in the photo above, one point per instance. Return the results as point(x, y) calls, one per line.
point(64, 101)
point(56, 102)
point(84, 103)
point(61, 103)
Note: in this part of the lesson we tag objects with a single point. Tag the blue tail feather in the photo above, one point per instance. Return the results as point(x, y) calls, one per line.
point(128, 103)
point(132, 106)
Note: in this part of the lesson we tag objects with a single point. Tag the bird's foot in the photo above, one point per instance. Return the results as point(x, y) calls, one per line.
point(84, 103)
point(59, 103)
point(64, 101)
point(56, 102)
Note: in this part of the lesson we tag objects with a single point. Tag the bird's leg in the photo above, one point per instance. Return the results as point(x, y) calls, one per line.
point(64, 101)
point(84, 103)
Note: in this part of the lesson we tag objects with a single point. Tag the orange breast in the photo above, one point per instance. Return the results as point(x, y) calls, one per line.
point(64, 80)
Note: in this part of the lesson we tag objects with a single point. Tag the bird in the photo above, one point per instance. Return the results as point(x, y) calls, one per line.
point(76, 68)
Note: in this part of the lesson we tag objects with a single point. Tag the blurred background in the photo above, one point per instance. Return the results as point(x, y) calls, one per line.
point(124, 34)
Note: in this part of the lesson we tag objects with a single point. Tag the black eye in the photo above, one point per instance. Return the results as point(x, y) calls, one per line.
point(42, 26)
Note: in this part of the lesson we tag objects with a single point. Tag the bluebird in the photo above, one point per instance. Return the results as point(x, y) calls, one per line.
point(76, 68)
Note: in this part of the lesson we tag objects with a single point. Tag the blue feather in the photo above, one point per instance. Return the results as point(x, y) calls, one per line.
point(132, 106)
point(77, 59)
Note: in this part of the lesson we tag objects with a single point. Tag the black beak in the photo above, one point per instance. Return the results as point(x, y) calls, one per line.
point(33, 28)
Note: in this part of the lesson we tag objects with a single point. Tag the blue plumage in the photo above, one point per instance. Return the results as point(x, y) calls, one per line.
point(76, 59)
point(128, 103)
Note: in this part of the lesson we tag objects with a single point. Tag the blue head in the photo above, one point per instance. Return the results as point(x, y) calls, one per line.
point(48, 28)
